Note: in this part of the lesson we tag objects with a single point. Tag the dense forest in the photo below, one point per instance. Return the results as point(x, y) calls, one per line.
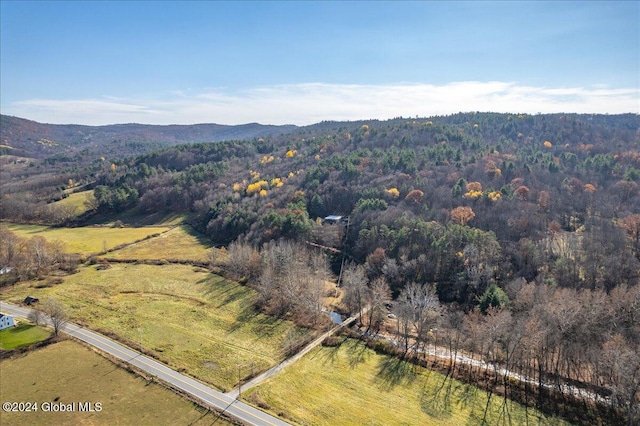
point(527, 225)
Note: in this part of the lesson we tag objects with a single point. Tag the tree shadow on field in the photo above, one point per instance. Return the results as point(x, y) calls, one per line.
point(328, 356)
point(220, 296)
point(357, 352)
point(394, 371)
point(201, 238)
point(435, 398)
point(263, 325)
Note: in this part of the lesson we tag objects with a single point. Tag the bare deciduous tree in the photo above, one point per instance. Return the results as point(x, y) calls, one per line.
point(354, 282)
point(36, 316)
point(57, 314)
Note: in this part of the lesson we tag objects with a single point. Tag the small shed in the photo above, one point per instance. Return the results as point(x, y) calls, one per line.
point(333, 219)
point(30, 300)
point(6, 321)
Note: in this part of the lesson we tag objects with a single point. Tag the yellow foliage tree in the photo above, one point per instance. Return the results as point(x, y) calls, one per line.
point(472, 195)
point(547, 144)
point(256, 186)
point(291, 153)
point(393, 192)
point(494, 195)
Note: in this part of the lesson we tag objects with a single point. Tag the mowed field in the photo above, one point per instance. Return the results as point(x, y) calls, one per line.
point(191, 319)
point(177, 244)
point(353, 385)
point(67, 372)
point(86, 240)
point(22, 335)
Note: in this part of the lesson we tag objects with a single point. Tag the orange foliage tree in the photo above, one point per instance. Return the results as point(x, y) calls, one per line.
point(415, 196)
point(631, 224)
point(462, 215)
point(522, 192)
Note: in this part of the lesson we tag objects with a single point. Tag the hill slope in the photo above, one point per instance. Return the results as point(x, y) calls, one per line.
point(38, 140)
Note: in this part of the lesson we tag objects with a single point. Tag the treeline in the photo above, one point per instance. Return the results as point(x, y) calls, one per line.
point(290, 278)
point(28, 258)
point(538, 344)
point(553, 345)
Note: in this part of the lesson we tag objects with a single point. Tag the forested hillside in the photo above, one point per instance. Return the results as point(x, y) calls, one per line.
point(461, 201)
point(530, 221)
point(60, 142)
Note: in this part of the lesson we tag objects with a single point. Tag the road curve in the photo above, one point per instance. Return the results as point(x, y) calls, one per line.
point(206, 395)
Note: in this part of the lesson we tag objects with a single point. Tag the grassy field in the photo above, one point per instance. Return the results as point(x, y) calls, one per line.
point(76, 202)
point(22, 335)
point(353, 385)
point(68, 372)
point(86, 240)
point(179, 243)
point(189, 318)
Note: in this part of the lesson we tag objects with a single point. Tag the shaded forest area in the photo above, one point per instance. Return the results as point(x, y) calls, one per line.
point(528, 221)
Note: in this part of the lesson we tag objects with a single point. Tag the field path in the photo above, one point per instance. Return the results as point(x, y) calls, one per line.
point(207, 396)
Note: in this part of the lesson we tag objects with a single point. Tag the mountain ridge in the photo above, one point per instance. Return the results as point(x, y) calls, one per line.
point(28, 138)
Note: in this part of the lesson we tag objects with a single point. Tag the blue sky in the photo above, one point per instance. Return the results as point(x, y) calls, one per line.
point(303, 62)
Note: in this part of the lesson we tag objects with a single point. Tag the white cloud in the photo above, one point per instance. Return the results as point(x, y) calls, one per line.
point(313, 102)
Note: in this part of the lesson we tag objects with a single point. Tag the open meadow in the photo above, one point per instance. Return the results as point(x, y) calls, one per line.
point(195, 321)
point(86, 240)
point(75, 203)
point(68, 372)
point(353, 385)
point(179, 243)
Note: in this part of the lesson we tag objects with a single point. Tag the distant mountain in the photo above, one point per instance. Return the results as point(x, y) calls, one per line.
point(28, 138)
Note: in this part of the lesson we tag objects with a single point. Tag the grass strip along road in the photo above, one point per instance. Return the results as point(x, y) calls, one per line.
point(208, 396)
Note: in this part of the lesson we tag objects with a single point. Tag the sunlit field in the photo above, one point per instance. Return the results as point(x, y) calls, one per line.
point(186, 316)
point(177, 244)
point(353, 385)
point(75, 202)
point(86, 240)
point(68, 372)
point(22, 335)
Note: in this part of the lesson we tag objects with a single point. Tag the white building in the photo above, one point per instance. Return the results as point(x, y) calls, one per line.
point(6, 321)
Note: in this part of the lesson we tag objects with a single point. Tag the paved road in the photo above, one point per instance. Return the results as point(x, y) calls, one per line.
point(208, 396)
